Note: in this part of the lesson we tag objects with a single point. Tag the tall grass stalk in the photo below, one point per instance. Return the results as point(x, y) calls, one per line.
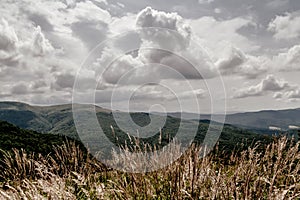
point(70, 174)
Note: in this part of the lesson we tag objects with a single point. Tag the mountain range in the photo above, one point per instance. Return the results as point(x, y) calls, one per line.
point(259, 121)
point(58, 119)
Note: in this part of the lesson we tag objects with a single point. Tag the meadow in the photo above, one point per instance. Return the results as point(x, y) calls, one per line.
point(70, 173)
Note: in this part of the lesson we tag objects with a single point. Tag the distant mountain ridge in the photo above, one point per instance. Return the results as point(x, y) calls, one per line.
point(255, 120)
point(59, 120)
point(53, 119)
point(56, 119)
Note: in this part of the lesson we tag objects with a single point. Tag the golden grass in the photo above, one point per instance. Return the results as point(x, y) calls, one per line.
point(68, 174)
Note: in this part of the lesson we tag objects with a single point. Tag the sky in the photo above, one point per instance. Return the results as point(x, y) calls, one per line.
point(196, 55)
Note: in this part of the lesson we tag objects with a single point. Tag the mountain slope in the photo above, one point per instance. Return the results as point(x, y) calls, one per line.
point(14, 137)
point(59, 120)
point(45, 119)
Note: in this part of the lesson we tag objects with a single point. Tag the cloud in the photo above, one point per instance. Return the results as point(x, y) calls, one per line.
point(149, 17)
point(166, 45)
point(205, 1)
point(275, 4)
point(90, 32)
point(39, 84)
point(119, 68)
point(8, 44)
point(293, 127)
point(215, 32)
point(286, 26)
point(8, 37)
point(268, 84)
point(122, 24)
point(90, 28)
point(41, 21)
point(27, 59)
point(147, 93)
point(234, 58)
point(168, 96)
point(46, 41)
point(175, 45)
point(234, 61)
point(217, 10)
point(292, 94)
point(65, 81)
point(19, 89)
point(120, 94)
point(13, 49)
point(40, 45)
point(230, 50)
point(68, 24)
point(199, 93)
point(81, 11)
point(274, 128)
point(57, 98)
point(289, 60)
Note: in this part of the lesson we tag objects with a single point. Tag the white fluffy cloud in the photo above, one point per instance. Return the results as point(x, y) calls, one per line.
point(8, 44)
point(40, 45)
point(293, 127)
point(43, 42)
point(289, 60)
point(230, 50)
point(15, 52)
point(234, 61)
point(215, 32)
point(149, 17)
point(165, 41)
point(268, 84)
point(123, 24)
point(286, 26)
point(205, 1)
point(8, 37)
point(274, 128)
point(292, 94)
point(26, 63)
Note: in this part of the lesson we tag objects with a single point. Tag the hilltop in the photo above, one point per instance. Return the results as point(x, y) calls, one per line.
point(59, 120)
point(259, 121)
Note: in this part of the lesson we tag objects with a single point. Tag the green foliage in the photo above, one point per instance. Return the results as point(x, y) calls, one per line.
point(31, 141)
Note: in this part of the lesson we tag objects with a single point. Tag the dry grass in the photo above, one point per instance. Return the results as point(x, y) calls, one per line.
point(68, 174)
